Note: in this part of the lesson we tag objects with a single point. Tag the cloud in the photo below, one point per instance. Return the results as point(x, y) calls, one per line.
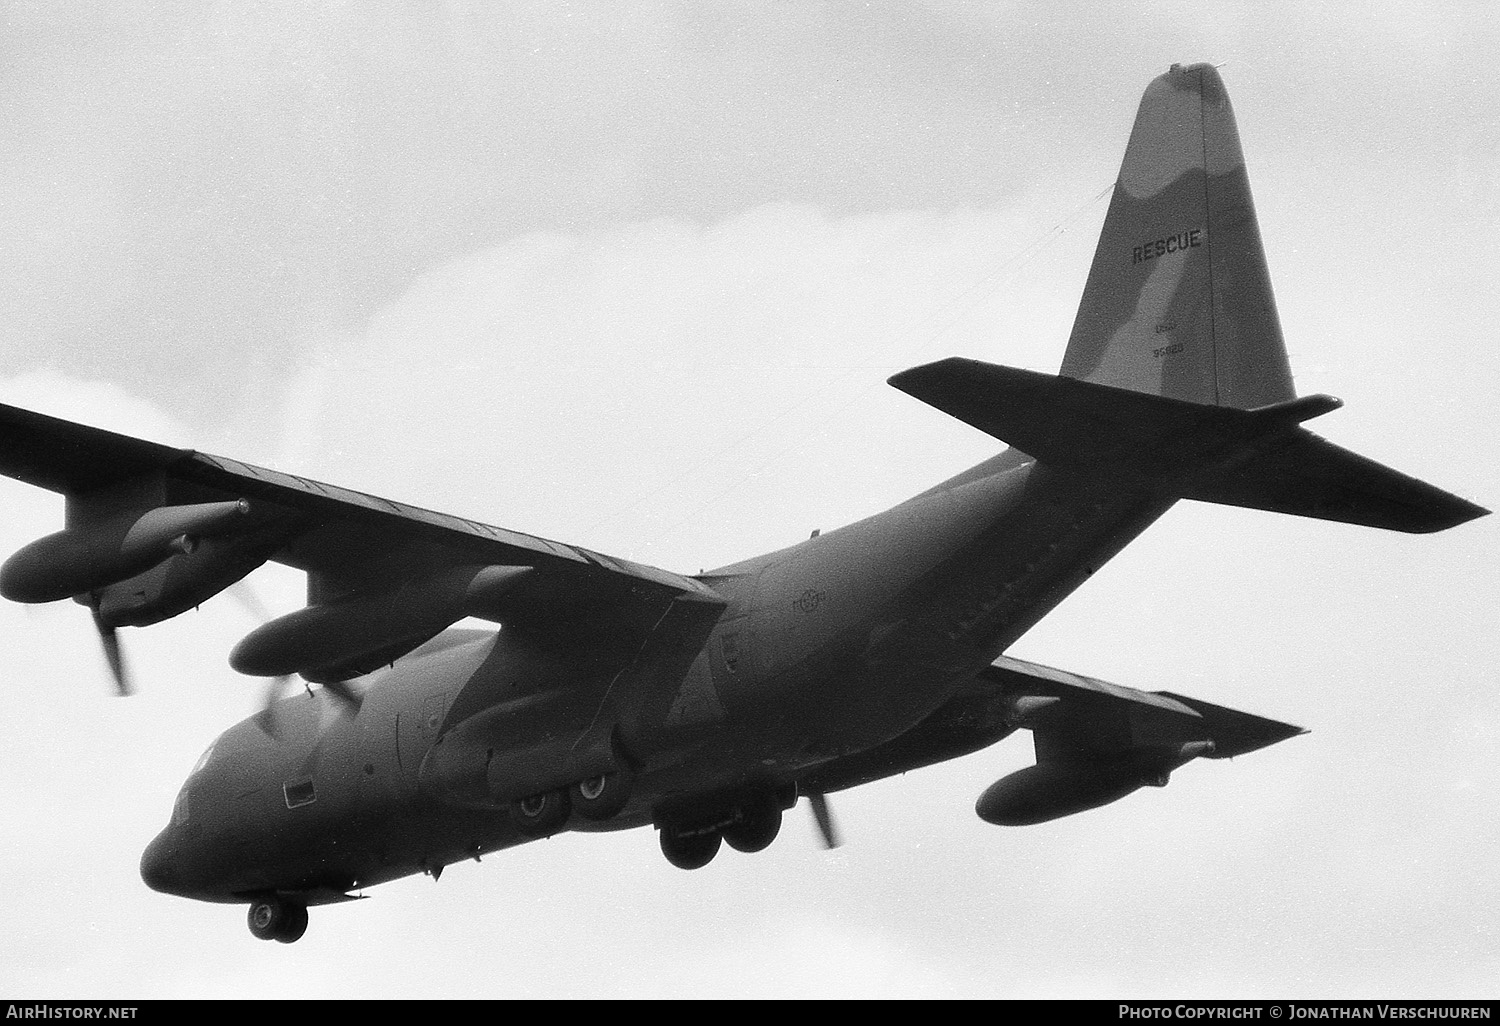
point(100, 403)
point(562, 382)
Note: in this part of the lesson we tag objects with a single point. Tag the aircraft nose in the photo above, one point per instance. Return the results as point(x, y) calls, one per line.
point(158, 864)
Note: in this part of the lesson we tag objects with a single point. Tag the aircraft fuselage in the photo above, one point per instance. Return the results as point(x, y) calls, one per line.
point(826, 650)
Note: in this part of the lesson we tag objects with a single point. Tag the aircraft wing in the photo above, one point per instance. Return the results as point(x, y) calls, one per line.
point(1095, 742)
point(1092, 718)
point(153, 530)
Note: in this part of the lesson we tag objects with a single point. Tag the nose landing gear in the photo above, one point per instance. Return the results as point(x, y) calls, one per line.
point(272, 918)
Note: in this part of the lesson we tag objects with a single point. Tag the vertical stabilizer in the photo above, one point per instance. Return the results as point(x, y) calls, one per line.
point(1178, 301)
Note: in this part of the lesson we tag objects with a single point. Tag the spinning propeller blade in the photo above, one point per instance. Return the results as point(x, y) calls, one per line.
point(824, 816)
point(246, 596)
point(113, 655)
point(266, 718)
point(278, 687)
point(346, 695)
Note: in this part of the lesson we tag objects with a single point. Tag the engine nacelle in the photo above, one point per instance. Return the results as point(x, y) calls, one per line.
point(84, 559)
point(331, 634)
point(182, 581)
point(1051, 790)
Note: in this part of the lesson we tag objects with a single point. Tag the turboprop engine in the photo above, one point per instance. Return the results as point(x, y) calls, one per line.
point(179, 583)
point(91, 557)
point(332, 641)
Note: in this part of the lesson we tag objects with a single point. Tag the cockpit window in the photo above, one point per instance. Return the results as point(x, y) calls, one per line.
point(180, 807)
point(299, 793)
point(203, 759)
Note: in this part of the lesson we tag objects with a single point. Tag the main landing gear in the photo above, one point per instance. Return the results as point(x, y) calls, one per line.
point(757, 822)
point(688, 848)
point(273, 918)
point(750, 826)
point(597, 798)
point(541, 815)
point(601, 797)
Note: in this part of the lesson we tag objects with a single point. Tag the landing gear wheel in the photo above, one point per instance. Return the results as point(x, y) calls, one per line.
point(757, 826)
point(541, 814)
point(603, 796)
point(274, 919)
point(295, 925)
point(690, 851)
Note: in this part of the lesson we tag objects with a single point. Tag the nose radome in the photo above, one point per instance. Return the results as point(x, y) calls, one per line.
point(157, 867)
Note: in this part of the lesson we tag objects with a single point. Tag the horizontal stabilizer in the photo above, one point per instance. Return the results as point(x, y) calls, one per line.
point(1307, 476)
point(1072, 423)
point(1256, 458)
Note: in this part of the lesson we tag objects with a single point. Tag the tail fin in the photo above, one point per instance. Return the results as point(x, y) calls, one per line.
point(1176, 370)
point(1178, 301)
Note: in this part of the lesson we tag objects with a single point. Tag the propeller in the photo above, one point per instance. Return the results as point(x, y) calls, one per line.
point(278, 687)
point(824, 817)
point(119, 670)
point(245, 595)
point(266, 718)
point(113, 654)
point(350, 698)
point(347, 696)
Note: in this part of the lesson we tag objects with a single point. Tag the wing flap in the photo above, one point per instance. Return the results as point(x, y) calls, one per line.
point(1034, 678)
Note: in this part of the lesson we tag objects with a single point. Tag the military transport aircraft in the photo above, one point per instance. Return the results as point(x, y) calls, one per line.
point(616, 695)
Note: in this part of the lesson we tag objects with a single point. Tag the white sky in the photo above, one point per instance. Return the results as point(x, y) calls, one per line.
point(633, 275)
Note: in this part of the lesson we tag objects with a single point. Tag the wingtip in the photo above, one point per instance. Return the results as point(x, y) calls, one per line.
point(1457, 512)
point(913, 376)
